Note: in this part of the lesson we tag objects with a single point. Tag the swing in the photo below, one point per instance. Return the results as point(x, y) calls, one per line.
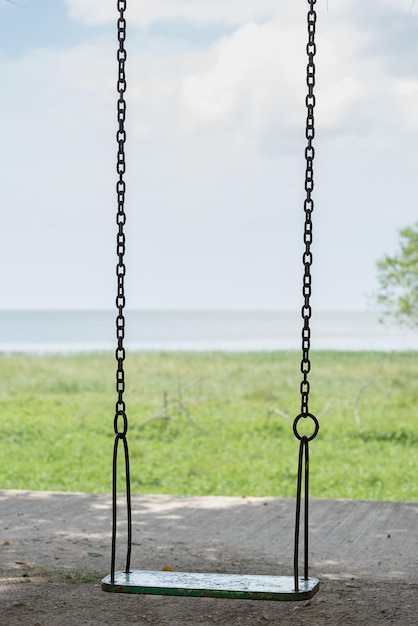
point(250, 587)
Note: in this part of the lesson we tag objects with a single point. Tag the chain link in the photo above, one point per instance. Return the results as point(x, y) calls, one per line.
point(308, 209)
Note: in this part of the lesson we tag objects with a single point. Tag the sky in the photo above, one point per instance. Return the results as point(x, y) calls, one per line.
point(215, 151)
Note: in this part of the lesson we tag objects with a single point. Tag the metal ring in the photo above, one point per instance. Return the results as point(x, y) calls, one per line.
point(304, 416)
point(120, 434)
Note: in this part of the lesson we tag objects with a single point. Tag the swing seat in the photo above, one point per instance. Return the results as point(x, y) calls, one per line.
point(235, 586)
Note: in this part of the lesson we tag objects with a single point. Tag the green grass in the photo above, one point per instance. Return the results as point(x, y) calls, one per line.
point(218, 435)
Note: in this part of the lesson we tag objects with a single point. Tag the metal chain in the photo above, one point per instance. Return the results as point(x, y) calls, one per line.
point(121, 420)
point(303, 465)
point(121, 216)
point(308, 208)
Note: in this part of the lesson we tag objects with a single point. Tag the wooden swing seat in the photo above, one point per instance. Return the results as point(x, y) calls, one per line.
point(236, 586)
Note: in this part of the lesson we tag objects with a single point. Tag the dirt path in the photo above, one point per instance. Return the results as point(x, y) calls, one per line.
point(54, 549)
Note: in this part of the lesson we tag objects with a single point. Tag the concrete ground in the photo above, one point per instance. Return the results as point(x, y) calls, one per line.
point(55, 547)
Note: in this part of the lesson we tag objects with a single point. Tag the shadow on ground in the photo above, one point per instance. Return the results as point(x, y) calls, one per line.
point(55, 547)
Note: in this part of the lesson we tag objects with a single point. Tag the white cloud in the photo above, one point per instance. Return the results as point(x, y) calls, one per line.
point(407, 92)
point(200, 124)
point(247, 75)
point(251, 83)
point(143, 13)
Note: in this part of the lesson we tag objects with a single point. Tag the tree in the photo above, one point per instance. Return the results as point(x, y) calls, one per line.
point(398, 279)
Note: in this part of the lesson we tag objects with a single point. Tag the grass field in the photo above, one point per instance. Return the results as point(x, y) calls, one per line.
point(212, 423)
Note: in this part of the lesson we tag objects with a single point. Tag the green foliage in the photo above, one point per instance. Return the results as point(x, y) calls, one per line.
point(398, 279)
point(82, 577)
point(212, 423)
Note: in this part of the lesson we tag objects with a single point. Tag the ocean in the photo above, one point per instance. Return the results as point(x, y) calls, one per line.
point(58, 331)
